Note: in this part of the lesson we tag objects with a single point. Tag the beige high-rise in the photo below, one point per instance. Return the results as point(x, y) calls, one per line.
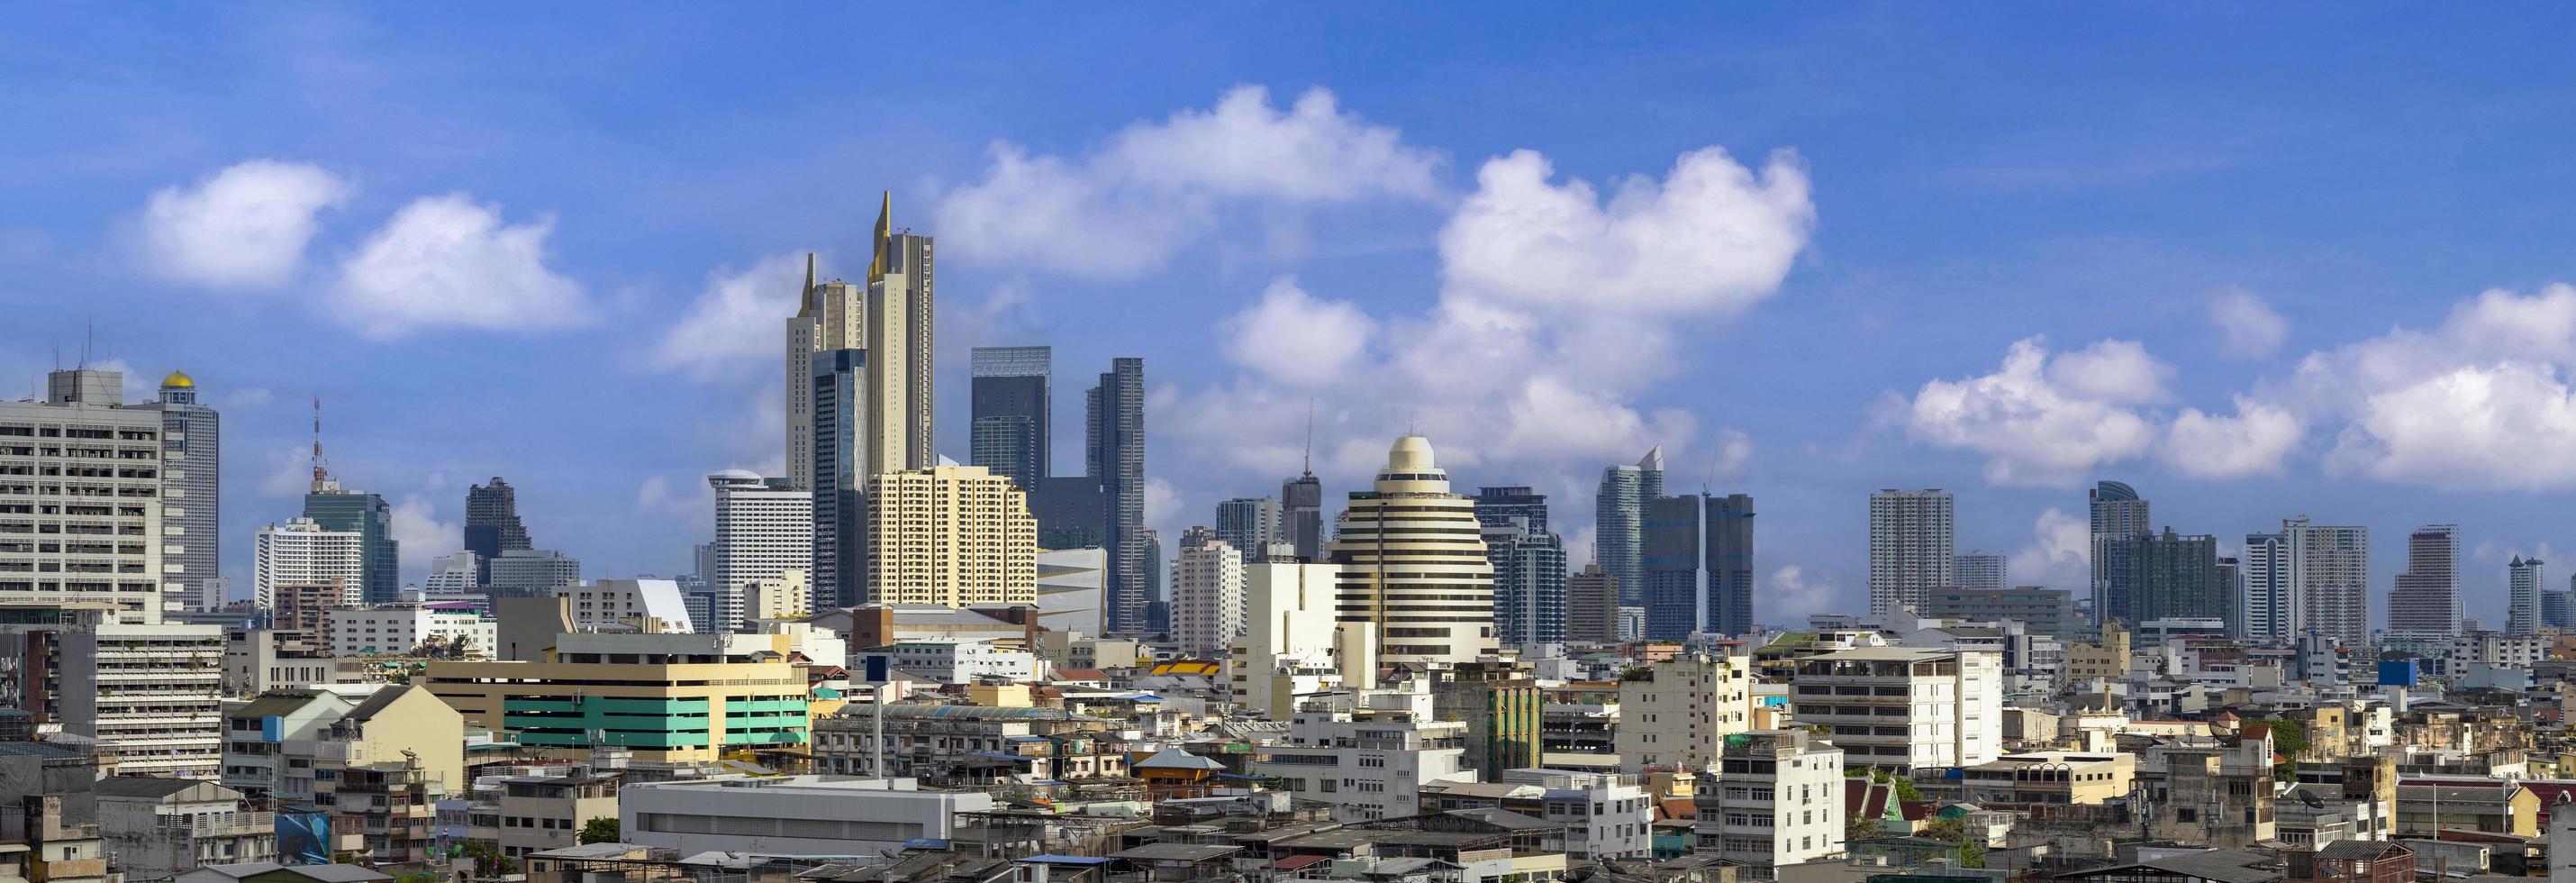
point(890, 317)
point(953, 535)
point(1413, 562)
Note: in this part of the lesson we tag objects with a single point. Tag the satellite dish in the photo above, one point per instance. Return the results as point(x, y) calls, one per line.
point(2310, 799)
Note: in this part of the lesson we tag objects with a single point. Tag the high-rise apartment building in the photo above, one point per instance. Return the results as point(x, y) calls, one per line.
point(2558, 607)
point(1592, 607)
point(2426, 600)
point(1618, 518)
point(304, 553)
point(368, 516)
point(1497, 506)
point(890, 318)
point(1529, 582)
point(839, 476)
point(1010, 406)
point(1413, 564)
point(1905, 707)
point(1114, 457)
point(1250, 525)
point(2523, 581)
point(1301, 502)
point(2269, 614)
point(2330, 577)
point(953, 535)
point(1208, 602)
point(1778, 800)
point(764, 532)
point(2118, 513)
point(81, 513)
point(1911, 551)
point(1982, 571)
point(191, 493)
point(492, 524)
point(1699, 566)
point(2174, 576)
point(147, 693)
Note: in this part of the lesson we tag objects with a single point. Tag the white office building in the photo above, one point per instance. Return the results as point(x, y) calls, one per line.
point(1367, 756)
point(956, 662)
point(81, 515)
point(1904, 707)
point(1208, 610)
point(449, 629)
point(301, 553)
point(451, 575)
point(763, 531)
point(147, 693)
point(790, 815)
point(621, 604)
point(1604, 815)
point(1778, 800)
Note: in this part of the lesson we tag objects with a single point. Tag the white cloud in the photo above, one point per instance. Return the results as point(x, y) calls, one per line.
point(1734, 453)
point(1155, 186)
point(1162, 504)
point(2112, 371)
point(2247, 326)
point(289, 472)
point(2059, 555)
point(1712, 238)
point(1552, 421)
point(739, 321)
point(2033, 428)
point(2253, 442)
point(655, 496)
point(446, 261)
point(1791, 593)
point(249, 398)
point(1292, 337)
point(243, 227)
point(2482, 401)
point(422, 535)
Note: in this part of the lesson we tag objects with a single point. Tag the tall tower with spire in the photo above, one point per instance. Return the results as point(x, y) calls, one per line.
point(889, 316)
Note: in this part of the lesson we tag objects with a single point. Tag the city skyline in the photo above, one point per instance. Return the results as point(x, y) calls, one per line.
point(619, 329)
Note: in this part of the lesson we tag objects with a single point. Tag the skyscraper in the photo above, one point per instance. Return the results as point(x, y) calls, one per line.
point(1618, 516)
point(1592, 607)
point(1699, 566)
point(1413, 564)
point(952, 535)
point(191, 488)
point(1208, 602)
point(368, 516)
point(1114, 456)
point(1009, 408)
point(2558, 607)
point(82, 423)
point(764, 531)
point(301, 553)
point(2118, 514)
point(1497, 506)
point(492, 524)
point(2523, 582)
point(1911, 551)
point(1529, 579)
point(1984, 572)
point(2426, 600)
point(1301, 501)
point(839, 574)
point(2270, 612)
point(2174, 576)
point(1250, 525)
point(890, 317)
point(2330, 577)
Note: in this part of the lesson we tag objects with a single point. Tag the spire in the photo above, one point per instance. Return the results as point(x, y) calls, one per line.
point(806, 308)
point(321, 469)
point(1653, 461)
point(1309, 468)
point(885, 218)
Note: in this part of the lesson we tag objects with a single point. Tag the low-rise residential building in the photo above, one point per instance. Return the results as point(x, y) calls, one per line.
point(939, 742)
point(259, 660)
point(1778, 800)
point(289, 744)
point(1367, 756)
point(538, 813)
point(2498, 808)
point(383, 813)
point(790, 815)
point(1677, 713)
point(956, 662)
point(162, 827)
point(1904, 707)
point(2051, 784)
point(1604, 815)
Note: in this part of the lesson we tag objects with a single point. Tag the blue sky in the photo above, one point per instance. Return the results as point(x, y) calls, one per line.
point(2239, 251)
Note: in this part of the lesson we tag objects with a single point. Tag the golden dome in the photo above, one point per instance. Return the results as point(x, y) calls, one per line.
point(178, 379)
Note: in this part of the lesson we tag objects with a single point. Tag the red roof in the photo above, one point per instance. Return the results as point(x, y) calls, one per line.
point(1865, 799)
point(1294, 862)
point(1676, 808)
point(1080, 674)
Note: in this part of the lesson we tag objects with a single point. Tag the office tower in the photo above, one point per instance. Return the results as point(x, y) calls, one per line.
point(2426, 601)
point(492, 523)
point(1010, 402)
point(531, 572)
point(2118, 514)
point(890, 319)
point(1910, 548)
point(368, 516)
point(2523, 581)
point(1301, 501)
point(1982, 571)
point(1114, 456)
point(1497, 506)
point(952, 535)
point(302, 552)
point(2173, 576)
point(2558, 607)
point(2330, 579)
point(1250, 525)
point(838, 477)
point(1699, 566)
point(1592, 607)
point(1529, 581)
point(2269, 614)
point(1618, 516)
point(1208, 604)
point(764, 531)
point(104, 514)
point(1413, 563)
point(1158, 608)
point(191, 489)
point(149, 694)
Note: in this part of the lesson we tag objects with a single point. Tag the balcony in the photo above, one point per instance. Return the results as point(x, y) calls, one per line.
point(218, 824)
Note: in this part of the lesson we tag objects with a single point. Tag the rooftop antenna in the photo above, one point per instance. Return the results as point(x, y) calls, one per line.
point(1310, 438)
point(321, 472)
point(89, 335)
